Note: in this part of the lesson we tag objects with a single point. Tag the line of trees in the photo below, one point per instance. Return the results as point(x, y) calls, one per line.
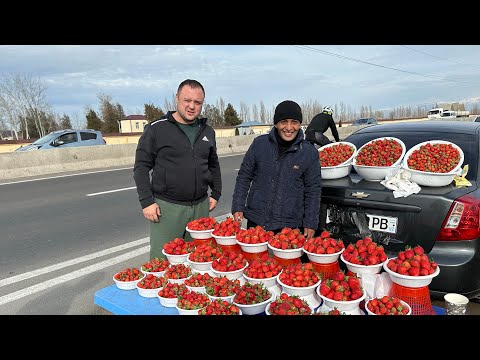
point(25, 111)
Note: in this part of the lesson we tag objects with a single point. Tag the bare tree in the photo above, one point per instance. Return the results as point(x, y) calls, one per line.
point(263, 113)
point(255, 113)
point(244, 112)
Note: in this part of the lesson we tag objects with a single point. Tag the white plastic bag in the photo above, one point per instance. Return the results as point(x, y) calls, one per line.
point(383, 284)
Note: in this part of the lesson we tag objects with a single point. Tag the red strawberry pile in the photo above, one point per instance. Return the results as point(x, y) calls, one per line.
point(412, 262)
point(129, 274)
point(155, 265)
point(364, 252)
point(341, 287)
point(323, 244)
point(205, 223)
point(219, 307)
point(205, 252)
point(387, 305)
point(263, 268)
point(178, 271)
point(198, 280)
point(287, 238)
point(254, 235)
point(299, 275)
point(335, 155)
point(151, 281)
point(171, 291)
point(229, 261)
point(227, 227)
point(191, 300)
point(289, 305)
point(221, 286)
point(250, 294)
point(380, 152)
point(436, 158)
point(334, 311)
point(178, 246)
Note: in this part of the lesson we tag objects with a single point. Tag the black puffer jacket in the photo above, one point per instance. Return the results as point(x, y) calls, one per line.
point(285, 190)
point(182, 172)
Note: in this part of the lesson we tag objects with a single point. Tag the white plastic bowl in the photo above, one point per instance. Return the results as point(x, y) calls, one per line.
point(254, 309)
point(127, 285)
point(300, 291)
point(198, 289)
point(267, 309)
point(410, 281)
point(176, 259)
point(200, 266)
point(186, 312)
point(426, 178)
point(323, 258)
point(401, 301)
point(154, 273)
point(168, 302)
point(287, 253)
point(267, 282)
point(377, 173)
point(225, 240)
point(341, 170)
point(200, 234)
point(342, 305)
point(253, 248)
point(148, 293)
point(177, 281)
point(362, 269)
point(226, 298)
point(231, 275)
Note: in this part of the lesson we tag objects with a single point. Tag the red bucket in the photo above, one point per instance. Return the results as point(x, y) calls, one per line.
point(286, 262)
point(326, 270)
point(235, 248)
point(199, 242)
point(252, 256)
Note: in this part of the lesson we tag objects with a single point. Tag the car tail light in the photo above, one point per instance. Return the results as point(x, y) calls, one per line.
point(462, 221)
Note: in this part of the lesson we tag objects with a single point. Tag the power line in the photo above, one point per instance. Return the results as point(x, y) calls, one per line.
point(438, 57)
point(309, 48)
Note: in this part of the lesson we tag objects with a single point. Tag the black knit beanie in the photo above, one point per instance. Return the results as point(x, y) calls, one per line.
point(287, 110)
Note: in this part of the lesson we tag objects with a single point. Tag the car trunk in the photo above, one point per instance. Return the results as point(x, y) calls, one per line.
point(356, 208)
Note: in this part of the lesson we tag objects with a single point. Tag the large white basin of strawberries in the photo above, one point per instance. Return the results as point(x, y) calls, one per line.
point(342, 169)
point(408, 280)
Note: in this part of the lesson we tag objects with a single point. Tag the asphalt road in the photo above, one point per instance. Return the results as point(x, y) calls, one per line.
point(62, 237)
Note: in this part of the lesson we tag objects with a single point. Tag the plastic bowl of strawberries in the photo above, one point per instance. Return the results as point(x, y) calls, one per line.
point(252, 299)
point(128, 278)
point(201, 228)
point(190, 302)
point(286, 304)
point(197, 282)
point(263, 270)
point(323, 249)
point(304, 287)
point(177, 250)
point(253, 240)
point(226, 231)
point(150, 285)
point(201, 259)
point(178, 273)
point(364, 256)
point(168, 295)
point(387, 305)
point(336, 159)
point(156, 266)
point(220, 307)
point(230, 265)
point(405, 279)
point(287, 244)
point(334, 295)
point(222, 288)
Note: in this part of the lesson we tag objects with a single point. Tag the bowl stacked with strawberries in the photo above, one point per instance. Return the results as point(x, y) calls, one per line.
point(128, 278)
point(201, 228)
point(252, 299)
point(299, 279)
point(178, 273)
point(190, 302)
point(263, 270)
point(323, 249)
point(254, 240)
point(168, 295)
point(177, 250)
point(155, 266)
point(197, 282)
point(230, 264)
point(286, 304)
point(336, 159)
point(222, 288)
point(343, 292)
point(287, 244)
point(364, 256)
point(412, 268)
point(201, 259)
point(150, 285)
point(226, 232)
point(387, 305)
point(220, 307)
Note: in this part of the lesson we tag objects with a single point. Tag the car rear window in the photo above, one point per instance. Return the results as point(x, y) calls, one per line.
point(88, 136)
point(467, 142)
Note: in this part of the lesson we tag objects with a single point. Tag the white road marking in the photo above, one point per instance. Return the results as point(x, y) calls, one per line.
point(111, 191)
point(80, 272)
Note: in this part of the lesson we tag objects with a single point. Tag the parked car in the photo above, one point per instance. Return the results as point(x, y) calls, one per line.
point(365, 121)
point(476, 119)
point(66, 138)
point(352, 207)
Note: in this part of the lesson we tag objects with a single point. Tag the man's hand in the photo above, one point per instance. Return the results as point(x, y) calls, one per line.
point(238, 216)
point(308, 233)
point(152, 213)
point(213, 203)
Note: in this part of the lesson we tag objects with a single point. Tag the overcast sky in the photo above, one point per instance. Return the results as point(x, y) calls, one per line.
point(380, 76)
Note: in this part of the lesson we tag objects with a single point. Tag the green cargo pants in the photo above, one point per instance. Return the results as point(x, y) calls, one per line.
point(172, 224)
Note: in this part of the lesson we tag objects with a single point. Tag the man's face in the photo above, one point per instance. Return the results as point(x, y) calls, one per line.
point(189, 103)
point(288, 129)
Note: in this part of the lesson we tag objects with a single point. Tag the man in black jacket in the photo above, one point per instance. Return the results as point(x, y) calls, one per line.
point(319, 124)
point(182, 152)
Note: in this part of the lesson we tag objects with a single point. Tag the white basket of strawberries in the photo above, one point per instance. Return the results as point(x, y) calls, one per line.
point(226, 231)
point(364, 256)
point(286, 304)
point(336, 159)
point(263, 270)
point(177, 250)
point(287, 244)
point(201, 228)
point(253, 240)
point(231, 264)
point(323, 249)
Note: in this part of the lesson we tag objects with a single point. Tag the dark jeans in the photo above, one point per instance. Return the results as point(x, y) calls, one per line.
point(317, 138)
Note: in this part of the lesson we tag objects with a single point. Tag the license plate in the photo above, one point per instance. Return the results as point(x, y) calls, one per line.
point(386, 224)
